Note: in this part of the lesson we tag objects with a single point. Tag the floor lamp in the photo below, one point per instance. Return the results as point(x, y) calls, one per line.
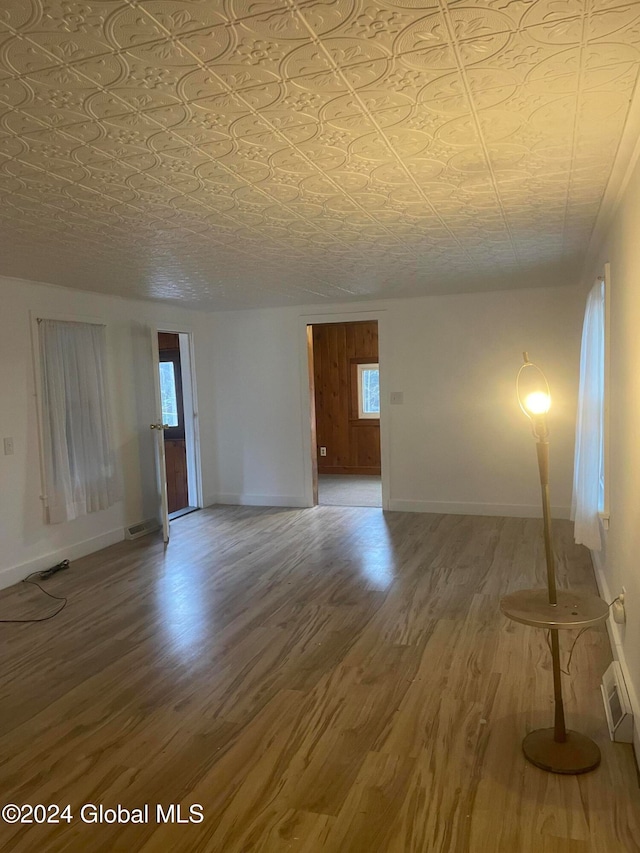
point(555, 749)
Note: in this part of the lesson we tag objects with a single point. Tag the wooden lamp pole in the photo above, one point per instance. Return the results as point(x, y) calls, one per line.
point(556, 749)
point(542, 447)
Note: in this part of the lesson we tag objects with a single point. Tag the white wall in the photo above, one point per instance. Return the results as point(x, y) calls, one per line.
point(619, 563)
point(258, 421)
point(458, 443)
point(27, 542)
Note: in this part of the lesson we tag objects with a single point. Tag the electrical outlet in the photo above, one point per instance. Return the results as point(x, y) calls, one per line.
point(8, 446)
point(618, 608)
point(323, 451)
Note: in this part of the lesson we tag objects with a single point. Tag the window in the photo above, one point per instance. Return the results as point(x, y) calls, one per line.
point(368, 391)
point(171, 394)
point(79, 465)
point(168, 394)
point(589, 481)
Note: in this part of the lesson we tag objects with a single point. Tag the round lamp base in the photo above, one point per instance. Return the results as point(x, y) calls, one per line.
point(578, 754)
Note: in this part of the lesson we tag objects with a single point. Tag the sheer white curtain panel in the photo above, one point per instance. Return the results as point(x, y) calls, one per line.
point(79, 462)
point(589, 447)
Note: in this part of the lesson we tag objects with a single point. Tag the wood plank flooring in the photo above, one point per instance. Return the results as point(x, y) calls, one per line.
point(349, 490)
point(333, 679)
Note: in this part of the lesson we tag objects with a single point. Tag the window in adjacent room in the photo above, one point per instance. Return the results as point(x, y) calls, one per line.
point(368, 391)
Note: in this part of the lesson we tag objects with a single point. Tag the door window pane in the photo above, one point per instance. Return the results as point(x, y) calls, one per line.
point(168, 394)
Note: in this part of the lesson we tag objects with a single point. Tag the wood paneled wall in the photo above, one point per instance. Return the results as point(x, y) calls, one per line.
point(353, 445)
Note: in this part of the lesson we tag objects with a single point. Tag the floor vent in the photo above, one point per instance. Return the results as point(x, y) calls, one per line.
point(141, 529)
point(617, 705)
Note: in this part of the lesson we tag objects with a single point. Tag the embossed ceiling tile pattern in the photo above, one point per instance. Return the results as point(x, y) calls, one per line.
point(179, 17)
point(606, 63)
point(566, 36)
point(632, 35)
point(14, 14)
point(529, 13)
point(20, 56)
point(380, 23)
point(607, 25)
point(347, 147)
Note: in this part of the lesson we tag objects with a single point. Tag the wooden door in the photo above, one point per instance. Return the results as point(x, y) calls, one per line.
point(174, 437)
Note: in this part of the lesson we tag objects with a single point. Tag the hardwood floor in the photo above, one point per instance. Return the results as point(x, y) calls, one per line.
point(333, 679)
point(349, 490)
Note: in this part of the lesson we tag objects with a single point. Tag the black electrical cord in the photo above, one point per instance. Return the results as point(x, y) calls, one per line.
point(567, 671)
point(47, 573)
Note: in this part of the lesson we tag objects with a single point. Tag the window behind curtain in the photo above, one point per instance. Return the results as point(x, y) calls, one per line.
point(588, 474)
point(79, 464)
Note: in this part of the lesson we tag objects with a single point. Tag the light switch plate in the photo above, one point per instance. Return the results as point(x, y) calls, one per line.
point(8, 446)
point(397, 398)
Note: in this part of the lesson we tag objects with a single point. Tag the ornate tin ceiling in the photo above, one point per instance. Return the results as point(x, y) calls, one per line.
point(253, 152)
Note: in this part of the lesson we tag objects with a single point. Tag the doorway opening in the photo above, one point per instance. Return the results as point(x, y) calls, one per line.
point(344, 381)
point(178, 416)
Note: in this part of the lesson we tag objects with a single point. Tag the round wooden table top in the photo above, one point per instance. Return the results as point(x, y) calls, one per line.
point(573, 610)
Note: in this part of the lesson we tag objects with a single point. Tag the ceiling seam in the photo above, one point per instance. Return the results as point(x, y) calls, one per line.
point(601, 211)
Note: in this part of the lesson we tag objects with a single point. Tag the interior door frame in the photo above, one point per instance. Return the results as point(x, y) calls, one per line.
point(179, 329)
point(158, 440)
point(308, 401)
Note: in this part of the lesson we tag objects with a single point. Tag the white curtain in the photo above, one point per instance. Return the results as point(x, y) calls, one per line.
point(589, 448)
point(78, 458)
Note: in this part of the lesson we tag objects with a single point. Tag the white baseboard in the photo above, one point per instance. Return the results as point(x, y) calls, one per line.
point(446, 507)
point(70, 552)
point(397, 505)
point(616, 638)
point(294, 501)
